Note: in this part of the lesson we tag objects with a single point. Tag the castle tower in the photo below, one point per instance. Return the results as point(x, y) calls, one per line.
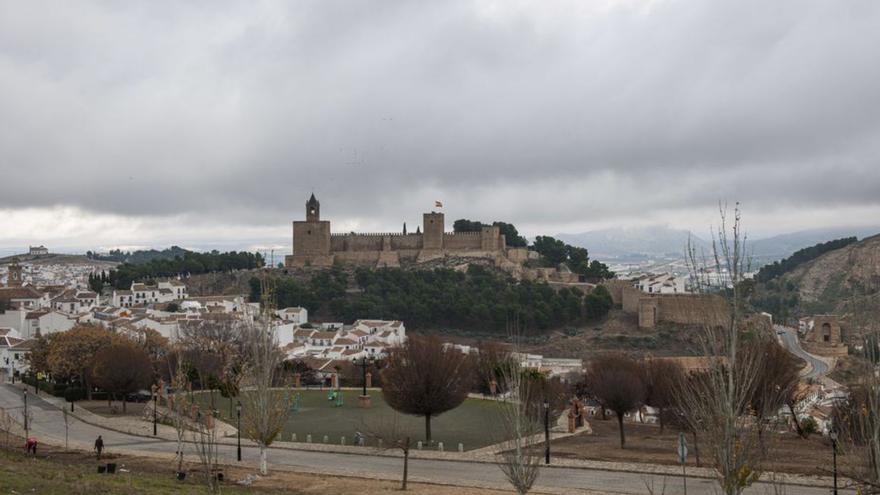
point(13, 276)
point(432, 237)
point(311, 238)
point(313, 209)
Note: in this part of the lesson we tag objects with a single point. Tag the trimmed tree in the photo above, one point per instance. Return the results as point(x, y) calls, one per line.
point(615, 381)
point(122, 369)
point(425, 378)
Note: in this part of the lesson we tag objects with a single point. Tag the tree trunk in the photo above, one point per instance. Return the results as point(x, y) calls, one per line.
point(428, 429)
point(88, 387)
point(696, 449)
point(797, 424)
point(264, 461)
point(660, 417)
point(123, 404)
point(620, 425)
point(405, 464)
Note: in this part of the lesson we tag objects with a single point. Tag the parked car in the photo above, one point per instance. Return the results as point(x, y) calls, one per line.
point(139, 396)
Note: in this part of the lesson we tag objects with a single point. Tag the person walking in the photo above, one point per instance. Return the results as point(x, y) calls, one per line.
point(99, 446)
point(31, 445)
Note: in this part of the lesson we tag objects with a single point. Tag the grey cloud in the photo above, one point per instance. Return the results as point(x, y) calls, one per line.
point(234, 112)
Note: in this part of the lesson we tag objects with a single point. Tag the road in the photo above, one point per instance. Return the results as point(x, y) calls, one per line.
point(788, 337)
point(47, 420)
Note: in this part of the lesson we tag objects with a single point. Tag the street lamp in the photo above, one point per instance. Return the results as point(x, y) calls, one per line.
point(833, 435)
point(546, 432)
point(25, 414)
point(238, 413)
point(364, 371)
point(155, 401)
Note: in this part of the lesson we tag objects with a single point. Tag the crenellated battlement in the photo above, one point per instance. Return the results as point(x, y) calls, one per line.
point(463, 234)
point(374, 234)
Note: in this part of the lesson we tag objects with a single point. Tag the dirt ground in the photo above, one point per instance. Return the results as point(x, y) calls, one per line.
point(644, 443)
point(619, 331)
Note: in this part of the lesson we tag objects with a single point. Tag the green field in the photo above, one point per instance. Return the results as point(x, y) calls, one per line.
point(474, 424)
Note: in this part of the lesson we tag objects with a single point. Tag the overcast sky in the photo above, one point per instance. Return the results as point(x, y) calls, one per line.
point(210, 123)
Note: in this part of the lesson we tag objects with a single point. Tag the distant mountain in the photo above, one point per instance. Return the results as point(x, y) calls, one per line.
point(662, 241)
point(652, 241)
point(781, 246)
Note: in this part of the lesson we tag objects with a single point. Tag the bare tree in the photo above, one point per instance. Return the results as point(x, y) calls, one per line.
point(520, 458)
point(615, 381)
point(858, 417)
point(266, 408)
point(660, 377)
point(776, 384)
point(178, 403)
point(715, 402)
point(425, 378)
point(205, 441)
point(6, 423)
point(212, 346)
point(389, 435)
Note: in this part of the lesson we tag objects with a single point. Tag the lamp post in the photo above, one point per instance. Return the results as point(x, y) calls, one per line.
point(155, 404)
point(364, 373)
point(25, 414)
point(238, 414)
point(833, 435)
point(546, 432)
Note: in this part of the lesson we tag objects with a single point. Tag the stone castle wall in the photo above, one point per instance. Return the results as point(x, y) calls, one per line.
point(471, 241)
point(313, 244)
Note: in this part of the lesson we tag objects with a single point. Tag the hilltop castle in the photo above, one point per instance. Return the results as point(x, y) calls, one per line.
point(315, 245)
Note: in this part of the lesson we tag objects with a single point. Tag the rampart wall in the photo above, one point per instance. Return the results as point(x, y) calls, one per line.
point(463, 241)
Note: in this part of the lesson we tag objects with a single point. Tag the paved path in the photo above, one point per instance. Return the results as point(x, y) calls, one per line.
point(48, 421)
point(788, 336)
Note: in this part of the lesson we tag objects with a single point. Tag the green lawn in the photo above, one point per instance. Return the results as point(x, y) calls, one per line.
point(475, 423)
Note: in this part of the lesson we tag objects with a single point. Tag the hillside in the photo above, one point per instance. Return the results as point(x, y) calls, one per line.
point(824, 284)
point(56, 259)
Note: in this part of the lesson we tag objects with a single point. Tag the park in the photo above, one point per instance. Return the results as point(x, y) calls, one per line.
point(314, 413)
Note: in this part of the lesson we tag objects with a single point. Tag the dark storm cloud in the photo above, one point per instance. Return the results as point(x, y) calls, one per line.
point(532, 112)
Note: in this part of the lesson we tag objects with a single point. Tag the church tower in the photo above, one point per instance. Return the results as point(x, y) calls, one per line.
point(313, 209)
point(13, 276)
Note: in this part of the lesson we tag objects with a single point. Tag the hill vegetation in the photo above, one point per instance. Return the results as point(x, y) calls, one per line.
point(480, 299)
point(801, 256)
point(189, 263)
point(511, 235)
point(140, 256)
point(823, 284)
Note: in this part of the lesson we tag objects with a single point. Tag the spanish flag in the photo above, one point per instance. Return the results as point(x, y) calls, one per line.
point(438, 204)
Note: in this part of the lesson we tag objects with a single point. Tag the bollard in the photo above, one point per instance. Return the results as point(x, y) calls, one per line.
point(419, 445)
point(293, 437)
point(440, 446)
point(326, 439)
point(309, 438)
point(461, 447)
point(342, 441)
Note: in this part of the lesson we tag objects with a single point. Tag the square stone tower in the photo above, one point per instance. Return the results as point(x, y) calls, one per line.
point(432, 230)
point(311, 238)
